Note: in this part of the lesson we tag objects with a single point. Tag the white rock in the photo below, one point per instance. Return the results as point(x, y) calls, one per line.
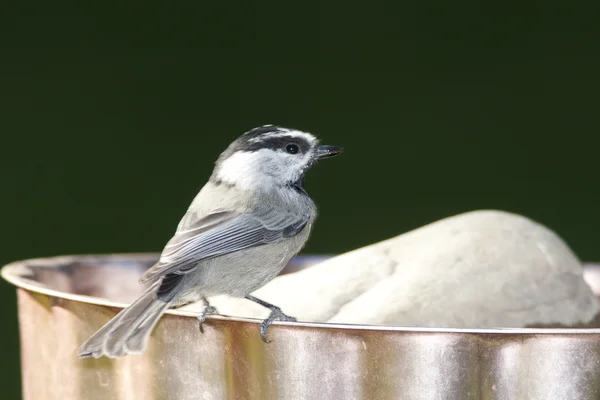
point(474, 270)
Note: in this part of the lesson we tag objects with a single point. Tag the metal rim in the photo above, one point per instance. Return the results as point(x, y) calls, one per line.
point(16, 272)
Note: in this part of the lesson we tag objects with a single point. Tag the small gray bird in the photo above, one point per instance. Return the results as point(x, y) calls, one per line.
point(243, 227)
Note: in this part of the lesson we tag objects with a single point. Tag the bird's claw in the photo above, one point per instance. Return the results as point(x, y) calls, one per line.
point(202, 317)
point(276, 315)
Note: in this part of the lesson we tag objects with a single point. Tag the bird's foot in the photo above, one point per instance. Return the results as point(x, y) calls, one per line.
point(276, 315)
point(208, 309)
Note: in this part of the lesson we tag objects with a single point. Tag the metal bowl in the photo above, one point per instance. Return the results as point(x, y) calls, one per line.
point(63, 300)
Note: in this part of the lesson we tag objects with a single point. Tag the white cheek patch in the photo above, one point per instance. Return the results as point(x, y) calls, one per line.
point(262, 168)
point(238, 169)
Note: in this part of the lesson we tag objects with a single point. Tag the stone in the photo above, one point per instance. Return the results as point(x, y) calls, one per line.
point(479, 269)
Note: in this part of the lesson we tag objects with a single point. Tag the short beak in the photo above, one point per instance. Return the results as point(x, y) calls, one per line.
point(328, 151)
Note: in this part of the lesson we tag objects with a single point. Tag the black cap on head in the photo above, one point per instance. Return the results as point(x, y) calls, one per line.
point(261, 130)
point(275, 138)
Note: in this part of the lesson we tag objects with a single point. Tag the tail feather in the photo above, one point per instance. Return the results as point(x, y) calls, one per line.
point(128, 331)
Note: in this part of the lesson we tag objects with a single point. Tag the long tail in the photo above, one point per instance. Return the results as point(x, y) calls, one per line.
point(128, 331)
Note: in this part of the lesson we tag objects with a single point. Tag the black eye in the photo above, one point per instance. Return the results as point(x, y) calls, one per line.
point(291, 148)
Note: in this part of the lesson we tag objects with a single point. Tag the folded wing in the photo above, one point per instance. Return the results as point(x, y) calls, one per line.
point(221, 233)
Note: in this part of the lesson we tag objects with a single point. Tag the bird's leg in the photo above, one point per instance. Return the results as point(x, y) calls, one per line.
point(208, 309)
point(276, 315)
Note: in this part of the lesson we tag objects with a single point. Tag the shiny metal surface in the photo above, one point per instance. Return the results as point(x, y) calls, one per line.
point(304, 361)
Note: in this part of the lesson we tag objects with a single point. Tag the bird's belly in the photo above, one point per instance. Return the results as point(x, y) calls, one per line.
point(240, 273)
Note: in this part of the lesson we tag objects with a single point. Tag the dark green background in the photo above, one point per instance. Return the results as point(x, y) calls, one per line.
point(111, 118)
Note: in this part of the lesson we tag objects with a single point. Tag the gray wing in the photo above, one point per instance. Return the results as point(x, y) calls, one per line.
point(222, 233)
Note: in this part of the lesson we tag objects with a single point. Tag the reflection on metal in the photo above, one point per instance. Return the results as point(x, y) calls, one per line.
point(304, 361)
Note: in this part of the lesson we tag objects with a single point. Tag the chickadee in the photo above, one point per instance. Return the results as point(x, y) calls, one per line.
point(242, 228)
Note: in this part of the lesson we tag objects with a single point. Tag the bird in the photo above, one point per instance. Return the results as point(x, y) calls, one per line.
point(245, 224)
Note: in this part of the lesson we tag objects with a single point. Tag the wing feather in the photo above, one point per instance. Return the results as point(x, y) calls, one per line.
point(221, 233)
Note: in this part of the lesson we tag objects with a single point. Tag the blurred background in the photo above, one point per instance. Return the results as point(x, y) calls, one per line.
point(111, 118)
